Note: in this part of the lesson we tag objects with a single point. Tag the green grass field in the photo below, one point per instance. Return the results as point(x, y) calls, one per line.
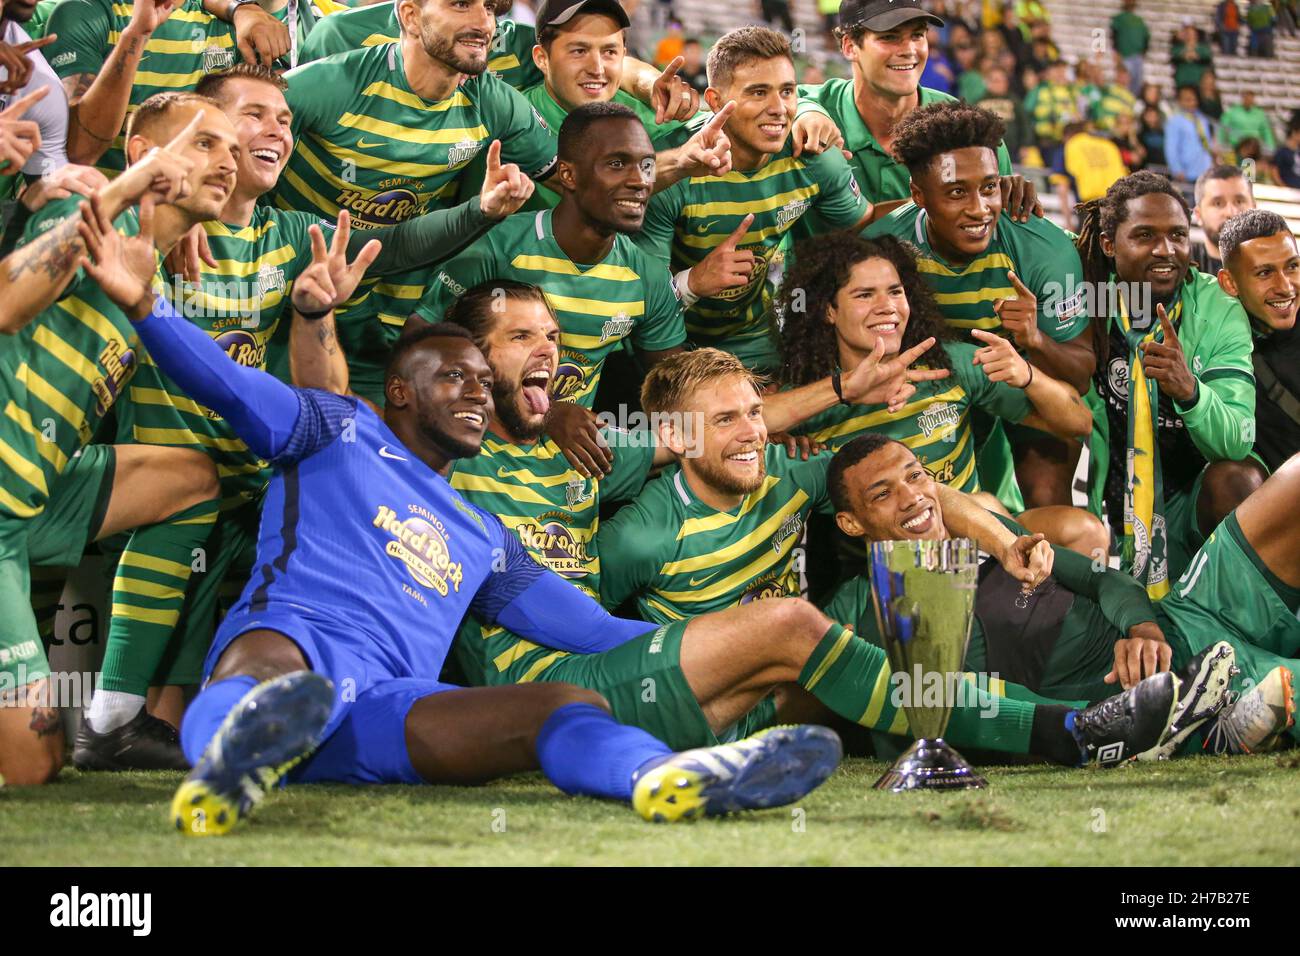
point(1182, 812)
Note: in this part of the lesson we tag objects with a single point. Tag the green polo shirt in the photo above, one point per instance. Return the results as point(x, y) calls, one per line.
point(1131, 34)
point(1239, 123)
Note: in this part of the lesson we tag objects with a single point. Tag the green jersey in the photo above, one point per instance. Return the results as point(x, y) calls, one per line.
point(680, 558)
point(881, 177)
point(625, 295)
point(510, 58)
point(189, 44)
point(1039, 252)
point(935, 423)
point(692, 217)
point(39, 23)
point(1130, 33)
point(61, 375)
point(555, 511)
point(363, 141)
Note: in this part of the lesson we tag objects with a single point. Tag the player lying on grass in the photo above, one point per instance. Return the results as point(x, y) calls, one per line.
point(846, 296)
point(694, 681)
point(367, 562)
point(1088, 626)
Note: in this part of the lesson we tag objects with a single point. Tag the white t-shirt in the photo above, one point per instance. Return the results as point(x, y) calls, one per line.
point(50, 114)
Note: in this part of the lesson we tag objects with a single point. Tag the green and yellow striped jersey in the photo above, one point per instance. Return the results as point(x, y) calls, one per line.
point(510, 58)
point(679, 557)
point(241, 304)
point(61, 375)
point(935, 423)
point(363, 141)
point(626, 295)
point(692, 217)
point(188, 45)
point(555, 511)
point(1039, 252)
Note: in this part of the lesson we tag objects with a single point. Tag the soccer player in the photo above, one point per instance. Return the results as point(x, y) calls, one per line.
point(856, 295)
point(261, 254)
point(990, 272)
point(1084, 629)
point(112, 57)
point(387, 131)
point(721, 235)
point(711, 676)
point(1262, 271)
point(1171, 453)
point(367, 561)
point(1221, 192)
point(49, 113)
point(72, 356)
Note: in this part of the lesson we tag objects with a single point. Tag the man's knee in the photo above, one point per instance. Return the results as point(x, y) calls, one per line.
point(562, 695)
point(34, 764)
point(196, 480)
point(1226, 485)
point(261, 655)
point(1087, 534)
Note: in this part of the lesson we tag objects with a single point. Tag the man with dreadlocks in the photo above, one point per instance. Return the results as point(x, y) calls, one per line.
point(1172, 450)
point(989, 272)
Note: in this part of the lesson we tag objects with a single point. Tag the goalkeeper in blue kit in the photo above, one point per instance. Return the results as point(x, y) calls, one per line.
point(327, 667)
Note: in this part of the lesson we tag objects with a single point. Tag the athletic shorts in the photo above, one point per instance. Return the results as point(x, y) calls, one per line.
point(78, 501)
point(994, 462)
point(644, 684)
point(1228, 593)
point(1182, 530)
point(365, 739)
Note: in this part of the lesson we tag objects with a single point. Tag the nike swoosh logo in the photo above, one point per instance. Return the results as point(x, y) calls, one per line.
point(362, 144)
point(696, 583)
point(706, 227)
point(384, 453)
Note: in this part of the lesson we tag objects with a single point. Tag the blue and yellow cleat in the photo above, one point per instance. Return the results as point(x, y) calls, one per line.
point(770, 769)
point(274, 726)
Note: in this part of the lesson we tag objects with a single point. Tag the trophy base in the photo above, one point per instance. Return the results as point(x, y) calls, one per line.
point(930, 765)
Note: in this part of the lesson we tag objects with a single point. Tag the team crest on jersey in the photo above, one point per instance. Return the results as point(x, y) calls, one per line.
point(617, 327)
point(1117, 376)
point(243, 347)
point(270, 279)
point(575, 492)
point(790, 527)
point(942, 417)
point(463, 152)
point(791, 212)
point(117, 362)
point(550, 541)
point(217, 58)
point(420, 543)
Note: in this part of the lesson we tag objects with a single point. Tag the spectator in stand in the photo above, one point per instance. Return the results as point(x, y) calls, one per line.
point(970, 84)
point(1221, 193)
point(938, 73)
point(830, 14)
point(1092, 164)
point(1227, 21)
point(1154, 97)
point(670, 45)
point(1052, 104)
point(1287, 158)
point(1250, 150)
point(1117, 100)
point(1032, 13)
point(1129, 34)
point(1245, 119)
point(1087, 82)
point(664, 14)
point(1124, 134)
point(1260, 18)
point(1208, 89)
point(776, 13)
point(1190, 55)
point(1151, 132)
point(1189, 138)
point(998, 98)
point(693, 70)
point(1013, 36)
point(813, 75)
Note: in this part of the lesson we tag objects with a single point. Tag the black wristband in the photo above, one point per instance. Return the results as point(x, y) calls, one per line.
point(839, 388)
point(1029, 381)
point(312, 316)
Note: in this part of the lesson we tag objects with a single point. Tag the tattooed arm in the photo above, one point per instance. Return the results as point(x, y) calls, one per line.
point(316, 359)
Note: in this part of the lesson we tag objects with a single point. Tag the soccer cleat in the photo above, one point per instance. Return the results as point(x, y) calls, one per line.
point(274, 726)
point(143, 743)
point(1255, 721)
point(770, 769)
point(1203, 694)
point(1130, 724)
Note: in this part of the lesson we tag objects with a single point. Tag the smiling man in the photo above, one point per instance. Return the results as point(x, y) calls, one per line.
point(1262, 271)
point(721, 235)
point(1221, 193)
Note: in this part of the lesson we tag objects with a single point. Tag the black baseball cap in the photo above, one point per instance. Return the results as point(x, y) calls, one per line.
point(554, 13)
point(881, 15)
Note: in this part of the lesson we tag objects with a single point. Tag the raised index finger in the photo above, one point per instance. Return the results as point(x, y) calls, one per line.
point(916, 351)
point(671, 69)
point(739, 232)
point(1021, 289)
point(1171, 337)
point(37, 44)
point(720, 118)
point(19, 107)
point(494, 156)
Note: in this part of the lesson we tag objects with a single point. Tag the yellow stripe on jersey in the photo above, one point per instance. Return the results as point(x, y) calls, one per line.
point(866, 422)
point(157, 396)
point(720, 520)
point(667, 612)
point(183, 436)
point(319, 201)
point(565, 267)
point(715, 559)
point(48, 450)
point(571, 303)
point(249, 233)
point(164, 592)
point(485, 484)
point(52, 397)
point(775, 168)
point(377, 39)
point(399, 291)
point(387, 91)
point(996, 260)
point(233, 267)
point(742, 578)
point(741, 208)
point(49, 340)
point(715, 239)
point(26, 470)
point(147, 615)
point(187, 47)
point(512, 654)
point(540, 665)
point(422, 137)
point(381, 163)
point(975, 296)
point(876, 702)
point(149, 563)
point(19, 509)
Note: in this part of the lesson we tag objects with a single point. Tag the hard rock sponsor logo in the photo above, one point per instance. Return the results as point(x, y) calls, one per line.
point(763, 256)
point(555, 545)
point(791, 212)
point(761, 590)
point(381, 209)
point(790, 527)
point(117, 362)
point(944, 474)
point(243, 347)
point(570, 376)
point(943, 416)
point(420, 542)
point(616, 328)
point(463, 152)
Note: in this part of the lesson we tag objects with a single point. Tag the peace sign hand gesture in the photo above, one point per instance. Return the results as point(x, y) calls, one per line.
point(330, 280)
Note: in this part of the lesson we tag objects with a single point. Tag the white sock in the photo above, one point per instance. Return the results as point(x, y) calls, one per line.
point(111, 709)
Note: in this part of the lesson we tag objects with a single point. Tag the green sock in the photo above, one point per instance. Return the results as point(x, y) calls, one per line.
point(851, 677)
point(149, 593)
point(1005, 688)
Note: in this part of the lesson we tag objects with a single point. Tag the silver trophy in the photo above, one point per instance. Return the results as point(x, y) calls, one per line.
point(924, 596)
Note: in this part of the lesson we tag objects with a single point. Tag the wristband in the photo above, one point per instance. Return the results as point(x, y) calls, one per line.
point(839, 388)
point(1030, 380)
point(234, 6)
point(313, 316)
point(683, 287)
